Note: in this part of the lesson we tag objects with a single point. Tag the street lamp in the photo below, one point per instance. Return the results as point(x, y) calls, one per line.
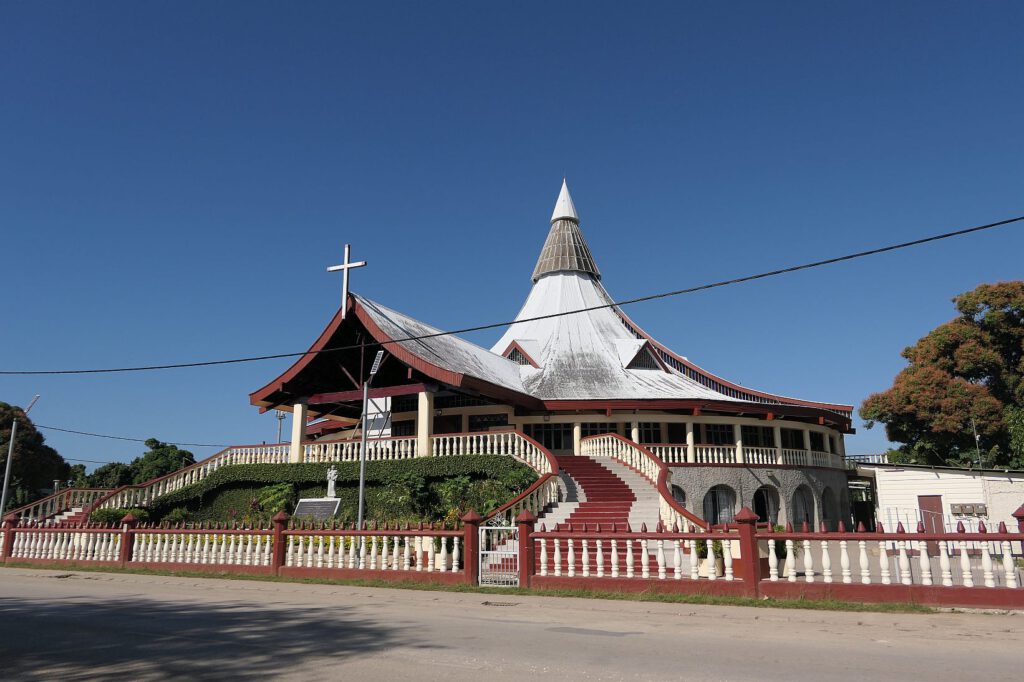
point(362, 449)
point(10, 458)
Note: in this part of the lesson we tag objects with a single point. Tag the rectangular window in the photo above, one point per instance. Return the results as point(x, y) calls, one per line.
point(817, 441)
point(650, 432)
point(405, 403)
point(758, 437)
point(676, 432)
point(598, 428)
point(719, 434)
point(484, 422)
point(552, 436)
point(793, 439)
point(403, 428)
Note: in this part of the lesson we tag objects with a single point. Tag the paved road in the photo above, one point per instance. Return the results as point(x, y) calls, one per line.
point(74, 626)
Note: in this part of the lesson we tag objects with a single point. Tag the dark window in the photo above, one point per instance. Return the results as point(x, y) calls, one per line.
point(676, 432)
point(405, 403)
point(792, 439)
point(817, 441)
point(458, 400)
point(650, 432)
point(719, 505)
point(643, 360)
point(517, 357)
point(403, 428)
point(758, 437)
point(598, 428)
point(551, 436)
point(718, 434)
point(484, 422)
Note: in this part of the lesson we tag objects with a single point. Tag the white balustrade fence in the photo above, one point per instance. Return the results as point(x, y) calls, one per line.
point(377, 449)
point(203, 547)
point(70, 498)
point(383, 550)
point(662, 556)
point(72, 544)
point(509, 443)
point(926, 559)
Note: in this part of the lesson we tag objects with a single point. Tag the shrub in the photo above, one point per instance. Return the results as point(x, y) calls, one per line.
point(112, 517)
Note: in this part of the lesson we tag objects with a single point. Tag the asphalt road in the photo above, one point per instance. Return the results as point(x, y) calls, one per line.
point(75, 626)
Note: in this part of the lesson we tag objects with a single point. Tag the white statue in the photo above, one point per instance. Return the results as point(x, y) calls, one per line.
point(332, 477)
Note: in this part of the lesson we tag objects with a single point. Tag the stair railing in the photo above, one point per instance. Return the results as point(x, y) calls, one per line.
point(642, 460)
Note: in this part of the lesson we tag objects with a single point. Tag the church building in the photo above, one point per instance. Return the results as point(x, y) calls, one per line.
point(574, 365)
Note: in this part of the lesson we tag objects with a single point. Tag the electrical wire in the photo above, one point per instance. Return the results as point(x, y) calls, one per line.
point(134, 440)
point(465, 330)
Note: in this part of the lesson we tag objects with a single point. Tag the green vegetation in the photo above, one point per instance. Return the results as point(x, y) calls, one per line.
point(414, 490)
point(112, 517)
point(967, 373)
point(36, 465)
point(159, 460)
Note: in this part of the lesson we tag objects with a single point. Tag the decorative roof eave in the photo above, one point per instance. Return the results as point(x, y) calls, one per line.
point(845, 411)
point(261, 397)
point(767, 411)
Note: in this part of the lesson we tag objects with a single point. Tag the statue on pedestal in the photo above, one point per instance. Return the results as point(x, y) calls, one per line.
point(332, 477)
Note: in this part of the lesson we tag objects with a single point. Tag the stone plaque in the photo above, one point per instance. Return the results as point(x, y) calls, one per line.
point(320, 509)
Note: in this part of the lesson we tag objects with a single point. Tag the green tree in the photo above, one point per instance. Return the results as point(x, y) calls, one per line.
point(112, 475)
point(36, 465)
point(967, 373)
point(161, 459)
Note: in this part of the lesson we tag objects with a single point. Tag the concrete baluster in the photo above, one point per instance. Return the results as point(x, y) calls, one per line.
point(923, 560)
point(661, 559)
point(826, 559)
point(558, 556)
point(406, 555)
point(790, 559)
point(600, 554)
point(727, 558)
point(677, 558)
point(571, 558)
point(906, 578)
point(808, 557)
point(712, 559)
point(645, 558)
point(988, 575)
point(430, 553)
point(444, 554)
point(844, 559)
point(965, 559)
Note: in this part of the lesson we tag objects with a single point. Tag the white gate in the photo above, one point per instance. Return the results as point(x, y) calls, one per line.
point(499, 554)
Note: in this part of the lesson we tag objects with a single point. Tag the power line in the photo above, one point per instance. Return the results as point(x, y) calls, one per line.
point(134, 440)
point(465, 330)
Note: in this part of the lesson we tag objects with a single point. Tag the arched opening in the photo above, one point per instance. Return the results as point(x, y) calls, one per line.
point(803, 507)
point(829, 509)
point(679, 495)
point(766, 504)
point(720, 505)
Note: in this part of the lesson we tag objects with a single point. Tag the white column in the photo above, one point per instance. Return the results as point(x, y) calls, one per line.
point(424, 424)
point(691, 450)
point(577, 436)
point(635, 432)
point(807, 440)
point(465, 423)
point(737, 433)
point(777, 437)
point(300, 414)
point(827, 445)
point(663, 433)
point(840, 445)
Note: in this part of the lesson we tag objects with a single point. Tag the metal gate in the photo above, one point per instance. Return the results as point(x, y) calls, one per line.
point(499, 554)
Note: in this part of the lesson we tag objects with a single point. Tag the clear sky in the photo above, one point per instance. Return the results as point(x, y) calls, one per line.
point(176, 176)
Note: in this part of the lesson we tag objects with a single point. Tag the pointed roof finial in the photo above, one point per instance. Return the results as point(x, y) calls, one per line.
point(565, 250)
point(564, 208)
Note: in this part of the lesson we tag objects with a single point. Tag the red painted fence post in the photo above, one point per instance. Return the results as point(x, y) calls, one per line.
point(525, 521)
point(10, 522)
point(280, 521)
point(471, 546)
point(128, 524)
point(749, 553)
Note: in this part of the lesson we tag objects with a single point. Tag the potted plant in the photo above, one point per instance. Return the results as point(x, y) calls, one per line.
point(705, 563)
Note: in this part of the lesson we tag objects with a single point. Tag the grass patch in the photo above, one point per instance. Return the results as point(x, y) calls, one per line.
point(667, 598)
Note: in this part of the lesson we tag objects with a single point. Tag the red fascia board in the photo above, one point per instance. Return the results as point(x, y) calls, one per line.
point(719, 406)
point(348, 396)
point(724, 382)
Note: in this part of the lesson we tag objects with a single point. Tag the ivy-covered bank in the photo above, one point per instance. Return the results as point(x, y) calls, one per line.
point(412, 490)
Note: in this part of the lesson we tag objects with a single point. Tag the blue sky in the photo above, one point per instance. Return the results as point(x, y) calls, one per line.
point(175, 177)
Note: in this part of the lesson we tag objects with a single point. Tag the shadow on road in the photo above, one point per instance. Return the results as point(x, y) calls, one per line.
point(141, 638)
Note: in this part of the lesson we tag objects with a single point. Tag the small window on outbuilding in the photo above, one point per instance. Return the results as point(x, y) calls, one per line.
point(516, 356)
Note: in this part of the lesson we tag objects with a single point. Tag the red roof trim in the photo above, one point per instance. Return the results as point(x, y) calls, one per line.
point(515, 344)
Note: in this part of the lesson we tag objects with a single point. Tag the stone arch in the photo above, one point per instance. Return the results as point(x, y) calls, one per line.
point(720, 504)
point(766, 504)
point(803, 507)
point(829, 509)
point(678, 494)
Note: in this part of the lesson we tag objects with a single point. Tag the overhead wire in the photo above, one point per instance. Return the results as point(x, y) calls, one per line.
point(484, 327)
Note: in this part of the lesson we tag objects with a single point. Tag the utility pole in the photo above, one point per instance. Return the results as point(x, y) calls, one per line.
point(280, 420)
point(977, 441)
point(362, 449)
point(10, 458)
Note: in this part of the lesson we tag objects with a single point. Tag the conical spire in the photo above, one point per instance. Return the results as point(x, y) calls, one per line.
point(565, 249)
point(564, 208)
